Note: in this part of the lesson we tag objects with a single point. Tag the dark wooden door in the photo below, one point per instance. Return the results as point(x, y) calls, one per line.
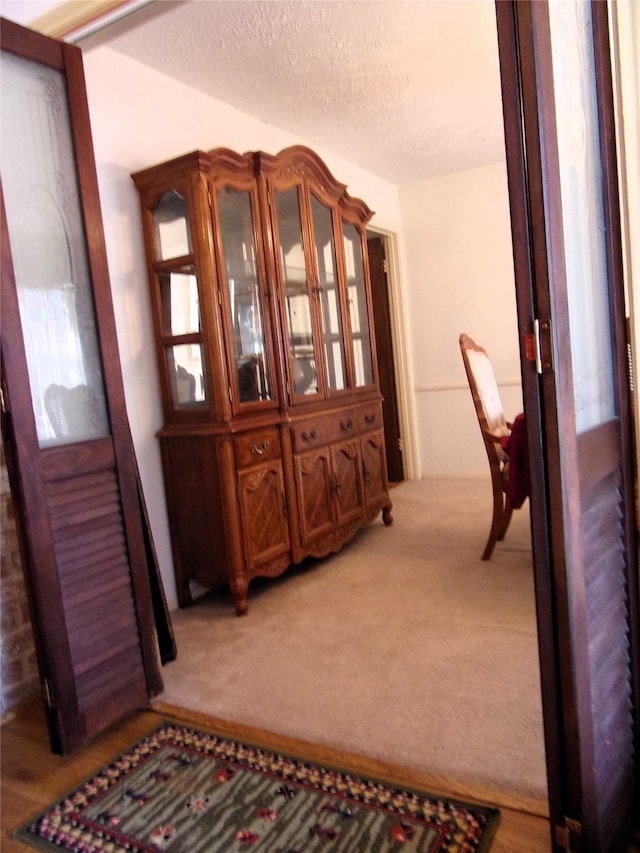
point(558, 107)
point(70, 458)
point(386, 364)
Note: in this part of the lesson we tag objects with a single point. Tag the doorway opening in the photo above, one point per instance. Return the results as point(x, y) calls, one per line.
point(378, 268)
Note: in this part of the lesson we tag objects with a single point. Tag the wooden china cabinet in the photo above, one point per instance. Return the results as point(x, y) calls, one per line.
point(272, 444)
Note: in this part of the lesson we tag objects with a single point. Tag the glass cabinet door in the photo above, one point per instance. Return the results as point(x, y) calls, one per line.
point(296, 291)
point(329, 295)
point(244, 294)
point(179, 302)
point(358, 309)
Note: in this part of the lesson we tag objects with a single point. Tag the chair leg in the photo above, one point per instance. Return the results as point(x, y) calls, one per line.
point(507, 512)
point(496, 525)
point(502, 511)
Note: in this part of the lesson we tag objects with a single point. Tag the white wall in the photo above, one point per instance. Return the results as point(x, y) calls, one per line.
point(459, 278)
point(140, 118)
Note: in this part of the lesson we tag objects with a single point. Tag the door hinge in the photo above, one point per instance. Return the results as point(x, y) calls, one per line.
point(47, 692)
point(4, 400)
point(385, 267)
point(538, 345)
point(567, 834)
point(400, 448)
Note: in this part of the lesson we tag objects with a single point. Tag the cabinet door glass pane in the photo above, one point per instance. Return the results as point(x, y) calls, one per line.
point(171, 227)
point(298, 307)
point(245, 297)
point(186, 369)
point(359, 315)
point(329, 295)
point(49, 256)
point(180, 306)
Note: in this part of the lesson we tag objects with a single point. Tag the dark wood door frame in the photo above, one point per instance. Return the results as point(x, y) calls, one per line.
point(575, 711)
point(378, 268)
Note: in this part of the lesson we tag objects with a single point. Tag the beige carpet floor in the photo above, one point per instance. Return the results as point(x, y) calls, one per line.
point(404, 647)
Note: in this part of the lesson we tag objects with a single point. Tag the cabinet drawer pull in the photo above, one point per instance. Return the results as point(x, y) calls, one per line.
point(260, 451)
point(308, 436)
point(370, 419)
point(345, 426)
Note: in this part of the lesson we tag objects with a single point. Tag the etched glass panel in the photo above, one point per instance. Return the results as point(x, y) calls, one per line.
point(48, 250)
point(582, 212)
point(171, 227)
point(298, 306)
point(358, 309)
point(329, 294)
point(245, 297)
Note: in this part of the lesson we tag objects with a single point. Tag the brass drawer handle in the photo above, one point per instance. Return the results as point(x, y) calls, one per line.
point(260, 451)
point(346, 426)
point(308, 436)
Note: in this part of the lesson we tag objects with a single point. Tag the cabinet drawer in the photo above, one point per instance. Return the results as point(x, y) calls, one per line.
point(308, 434)
point(258, 446)
point(342, 426)
point(370, 418)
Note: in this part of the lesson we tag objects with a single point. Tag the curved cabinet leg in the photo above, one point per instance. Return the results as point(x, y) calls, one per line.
point(387, 518)
point(239, 588)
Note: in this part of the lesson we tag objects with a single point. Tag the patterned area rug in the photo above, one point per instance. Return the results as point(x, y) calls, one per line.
point(183, 789)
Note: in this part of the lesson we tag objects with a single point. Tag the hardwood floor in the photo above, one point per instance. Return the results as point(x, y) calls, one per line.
point(32, 777)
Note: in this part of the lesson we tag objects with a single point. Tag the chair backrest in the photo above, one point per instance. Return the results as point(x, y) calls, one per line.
point(484, 388)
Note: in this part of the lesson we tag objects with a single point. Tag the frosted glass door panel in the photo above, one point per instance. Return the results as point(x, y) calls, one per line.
point(49, 255)
point(582, 212)
point(329, 295)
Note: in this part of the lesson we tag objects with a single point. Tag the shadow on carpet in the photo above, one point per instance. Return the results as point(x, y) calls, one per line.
point(185, 789)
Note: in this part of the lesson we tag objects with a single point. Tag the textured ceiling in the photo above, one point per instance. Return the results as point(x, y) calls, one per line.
point(408, 89)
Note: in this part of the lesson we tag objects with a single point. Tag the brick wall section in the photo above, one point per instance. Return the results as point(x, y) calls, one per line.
point(18, 667)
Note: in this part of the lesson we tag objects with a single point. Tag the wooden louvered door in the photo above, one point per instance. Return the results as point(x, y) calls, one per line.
point(557, 96)
point(71, 464)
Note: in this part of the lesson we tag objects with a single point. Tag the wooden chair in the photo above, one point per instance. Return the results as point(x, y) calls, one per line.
point(493, 426)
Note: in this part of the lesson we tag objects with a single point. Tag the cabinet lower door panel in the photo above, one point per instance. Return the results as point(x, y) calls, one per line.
point(374, 471)
point(346, 483)
point(265, 526)
point(313, 481)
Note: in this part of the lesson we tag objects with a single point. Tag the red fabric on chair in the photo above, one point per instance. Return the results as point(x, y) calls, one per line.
point(515, 446)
